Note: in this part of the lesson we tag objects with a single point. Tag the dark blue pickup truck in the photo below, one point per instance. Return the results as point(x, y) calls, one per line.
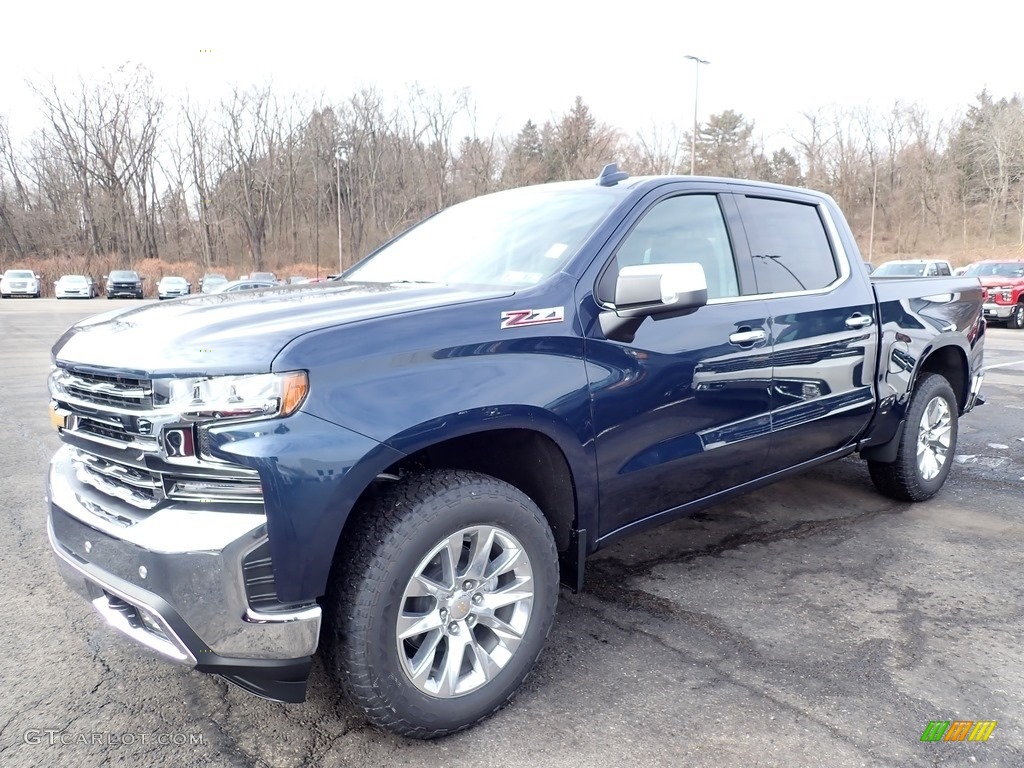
point(399, 467)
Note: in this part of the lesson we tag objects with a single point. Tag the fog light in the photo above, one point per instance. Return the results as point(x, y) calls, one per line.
point(210, 490)
point(149, 622)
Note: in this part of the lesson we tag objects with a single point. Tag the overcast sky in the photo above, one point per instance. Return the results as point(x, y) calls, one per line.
point(771, 61)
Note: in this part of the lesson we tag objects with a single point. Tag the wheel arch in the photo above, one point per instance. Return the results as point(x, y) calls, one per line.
point(949, 360)
point(537, 455)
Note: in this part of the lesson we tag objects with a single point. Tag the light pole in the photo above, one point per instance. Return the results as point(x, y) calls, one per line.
point(696, 81)
point(316, 205)
point(339, 155)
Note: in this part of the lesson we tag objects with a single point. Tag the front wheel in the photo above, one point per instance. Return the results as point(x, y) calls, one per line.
point(1016, 319)
point(442, 597)
point(926, 447)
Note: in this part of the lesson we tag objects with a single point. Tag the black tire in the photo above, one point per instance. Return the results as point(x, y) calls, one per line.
point(386, 545)
point(904, 479)
point(1016, 319)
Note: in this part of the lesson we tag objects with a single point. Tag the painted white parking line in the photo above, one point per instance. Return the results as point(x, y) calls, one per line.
point(1003, 365)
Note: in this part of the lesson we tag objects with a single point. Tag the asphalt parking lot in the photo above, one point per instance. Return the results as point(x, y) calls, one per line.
point(811, 623)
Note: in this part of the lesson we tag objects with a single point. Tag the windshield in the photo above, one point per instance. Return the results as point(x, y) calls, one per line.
point(73, 279)
point(1004, 269)
point(900, 270)
point(19, 273)
point(178, 280)
point(515, 238)
point(123, 275)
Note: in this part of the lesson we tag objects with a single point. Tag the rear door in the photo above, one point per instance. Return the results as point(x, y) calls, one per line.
point(681, 412)
point(823, 323)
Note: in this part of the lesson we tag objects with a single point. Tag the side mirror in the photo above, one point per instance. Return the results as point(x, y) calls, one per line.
point(653, 290)
point(106, 277)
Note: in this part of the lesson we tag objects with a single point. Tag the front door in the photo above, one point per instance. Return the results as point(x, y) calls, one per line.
point(682, 411)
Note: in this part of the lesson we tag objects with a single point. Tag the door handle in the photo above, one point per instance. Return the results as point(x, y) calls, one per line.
point(858, 321)
point(747, 337)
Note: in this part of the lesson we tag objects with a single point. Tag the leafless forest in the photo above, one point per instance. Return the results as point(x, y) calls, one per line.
point(121, 175)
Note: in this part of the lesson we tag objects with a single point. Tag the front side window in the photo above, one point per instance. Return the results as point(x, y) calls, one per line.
point(790, 249)
point(681, 230)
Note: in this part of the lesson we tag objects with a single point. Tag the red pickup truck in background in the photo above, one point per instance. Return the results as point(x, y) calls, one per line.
point(1003, 284)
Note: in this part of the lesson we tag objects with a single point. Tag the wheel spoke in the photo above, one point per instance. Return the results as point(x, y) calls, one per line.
point(420, 665)
point(486, 663)
point(506, 633)
point(480, 555)
point(520, 589)
point(451, 553)
point(451, 664)
point(413, 624)
point(507, 561)
point(421, 586)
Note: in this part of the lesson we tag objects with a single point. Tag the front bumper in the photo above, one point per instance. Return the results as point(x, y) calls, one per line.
point(21, 290)
point(174, 583)
point(131, 291)
point(998, 311)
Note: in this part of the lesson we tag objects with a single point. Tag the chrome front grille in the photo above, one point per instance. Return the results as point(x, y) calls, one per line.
point(116, 391)
point(102, 428)
point(123, 436)
point(139, 487)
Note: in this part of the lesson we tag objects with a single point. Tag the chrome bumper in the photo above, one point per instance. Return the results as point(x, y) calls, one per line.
point(974, 395)
point(999, 311)
point(172, 581)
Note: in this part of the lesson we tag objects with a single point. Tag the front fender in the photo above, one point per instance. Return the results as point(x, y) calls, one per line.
point(312, 472)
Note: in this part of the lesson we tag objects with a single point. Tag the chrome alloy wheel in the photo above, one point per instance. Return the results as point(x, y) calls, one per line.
point(933, 438)
point(464, 611)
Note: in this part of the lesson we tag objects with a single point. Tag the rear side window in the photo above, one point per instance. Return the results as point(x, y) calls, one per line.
point(790, 249)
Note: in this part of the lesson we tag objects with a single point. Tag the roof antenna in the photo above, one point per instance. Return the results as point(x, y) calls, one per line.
point(611, 175)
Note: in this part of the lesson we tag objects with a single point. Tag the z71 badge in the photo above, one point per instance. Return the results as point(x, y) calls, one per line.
point(517, 318)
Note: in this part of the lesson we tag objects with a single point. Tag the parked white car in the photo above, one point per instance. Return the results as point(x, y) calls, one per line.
point(914, 268)
point(75, 287)
point(171, 287)
point(19, 282)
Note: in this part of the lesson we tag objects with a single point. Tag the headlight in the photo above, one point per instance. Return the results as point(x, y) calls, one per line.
point(263, 395)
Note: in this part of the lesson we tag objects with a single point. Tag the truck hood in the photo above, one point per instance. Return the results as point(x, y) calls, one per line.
point(994, 281)
point(238, 332)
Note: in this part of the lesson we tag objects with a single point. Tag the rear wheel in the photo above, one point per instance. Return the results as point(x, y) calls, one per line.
point(926, 447)
point(442, 597)
point(1016, 319)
